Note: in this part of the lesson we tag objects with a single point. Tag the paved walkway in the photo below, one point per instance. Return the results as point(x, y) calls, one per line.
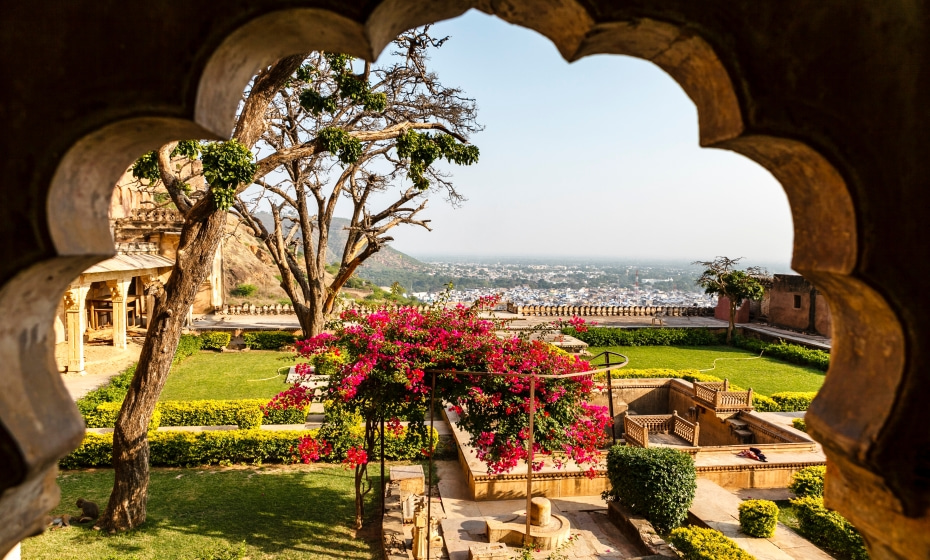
point(718, 509)
point(101, 363)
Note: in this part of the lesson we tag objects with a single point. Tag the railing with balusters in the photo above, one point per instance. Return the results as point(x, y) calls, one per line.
point(637, 428)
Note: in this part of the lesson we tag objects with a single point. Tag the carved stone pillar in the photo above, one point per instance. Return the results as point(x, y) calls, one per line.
point(118, 291)
point(75, 310)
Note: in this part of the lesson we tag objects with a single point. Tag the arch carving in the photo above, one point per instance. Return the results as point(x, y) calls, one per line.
point(849, 416)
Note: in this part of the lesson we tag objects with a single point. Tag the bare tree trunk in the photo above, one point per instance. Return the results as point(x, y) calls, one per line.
point(199, 240)
point(311, 319)
point(732, 324)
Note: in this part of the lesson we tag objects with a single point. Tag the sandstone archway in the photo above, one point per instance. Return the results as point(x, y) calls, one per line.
point(868, 403)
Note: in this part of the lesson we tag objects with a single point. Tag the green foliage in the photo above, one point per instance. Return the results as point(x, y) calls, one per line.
point(808, 481)
point(758, 518)
point(799, 424)
point(793, 401)
point(188, 345)
point(189, 149)
point(828, 529)
point(316, 103)
point(791, 353)
point(696, 543)
point(422, 149)
point(339, 142)
point(348, 87)
point(249, 418)
point(112, 392)
point(200, 413)
point(268, 340)
point(607, 336)
point(340, 427)
point(146, 167)
point(658, 483)
point(215, 340)
point(226, 165)
point(244, 290)
point(327, 363)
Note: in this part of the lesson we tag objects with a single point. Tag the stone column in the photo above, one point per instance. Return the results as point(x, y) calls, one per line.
point(75, 310)
point(118, 291)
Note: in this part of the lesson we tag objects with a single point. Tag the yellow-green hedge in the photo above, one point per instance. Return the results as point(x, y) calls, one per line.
point(695, 543)
point(828, 529)
point(245, 413)
point(758, 518)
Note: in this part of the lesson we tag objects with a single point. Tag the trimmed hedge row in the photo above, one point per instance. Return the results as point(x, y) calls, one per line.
point(799, 424)
point(606, 336)
point(696, 543)
point(657, 482)
point(215, 340)
point(758, 518)
point(245, 413)
point(794, 401)
point(114, 391)
point(268, 340)
point(187, 449)
point(188, 345)
point(829, 529)
point(791, 353)
point(759, 402)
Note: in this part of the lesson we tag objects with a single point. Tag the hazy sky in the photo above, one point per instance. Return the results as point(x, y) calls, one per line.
point(596, 158)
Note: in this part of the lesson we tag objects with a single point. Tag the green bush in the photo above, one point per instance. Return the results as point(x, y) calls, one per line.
point(249, 418)
point(243, 290)
point(606, 336)
point(104, 416)
point(201, 413)
point(187, 346)
point(215, 340)
point(792, 401)
point(791, 353)
point(758, 518)
point(828, 529)
point(799, 424)
point(114, 391)
point(808, 481)
point(268, 340)
point(658, 483)
point(761, 403)
point(696, 543)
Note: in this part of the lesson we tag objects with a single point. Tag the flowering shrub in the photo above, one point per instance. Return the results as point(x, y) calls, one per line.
point(384, 374)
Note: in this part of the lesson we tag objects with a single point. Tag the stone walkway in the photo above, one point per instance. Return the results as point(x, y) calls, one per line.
point(101, 363)
point(718, 509)
point(464, 523)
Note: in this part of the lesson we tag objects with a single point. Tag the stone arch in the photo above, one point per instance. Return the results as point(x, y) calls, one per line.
point(868, 337)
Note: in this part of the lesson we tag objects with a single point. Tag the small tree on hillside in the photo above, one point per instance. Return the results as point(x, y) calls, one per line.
point(721, 279)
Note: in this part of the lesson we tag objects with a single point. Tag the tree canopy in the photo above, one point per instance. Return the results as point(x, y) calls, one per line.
point(721, 278)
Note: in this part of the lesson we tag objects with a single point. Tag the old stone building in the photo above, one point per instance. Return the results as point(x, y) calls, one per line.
point(110, 296)
point(794, 303)
point(829, 95)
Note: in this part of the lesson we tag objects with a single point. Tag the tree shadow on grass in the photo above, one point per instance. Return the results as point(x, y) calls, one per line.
point(280, 512)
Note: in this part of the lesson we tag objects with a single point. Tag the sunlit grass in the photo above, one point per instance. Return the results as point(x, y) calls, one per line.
point(228, 375)
point(765, 375)
point(291, 512)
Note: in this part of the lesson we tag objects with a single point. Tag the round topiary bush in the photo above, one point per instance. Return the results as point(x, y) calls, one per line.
point(758, 518)
point(696, 543)
point(808, 481)
point(658, 483)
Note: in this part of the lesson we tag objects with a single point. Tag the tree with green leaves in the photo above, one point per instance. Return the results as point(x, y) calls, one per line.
point(722, 279)
point(365, 138)
point(201, 180)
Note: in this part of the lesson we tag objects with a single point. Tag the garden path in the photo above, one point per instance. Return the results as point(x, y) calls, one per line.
point(718, 508)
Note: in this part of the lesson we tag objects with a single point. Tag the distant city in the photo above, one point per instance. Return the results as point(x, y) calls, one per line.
point(539, 283)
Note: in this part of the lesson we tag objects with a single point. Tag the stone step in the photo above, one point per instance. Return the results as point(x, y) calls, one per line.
point(743, 433)
point(739, 424)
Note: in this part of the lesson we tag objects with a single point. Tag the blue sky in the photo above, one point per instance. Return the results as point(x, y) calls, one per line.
point(595, 158)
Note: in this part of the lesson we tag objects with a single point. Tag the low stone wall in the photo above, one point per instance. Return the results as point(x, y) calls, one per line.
point(608, 311)
point(639, 531)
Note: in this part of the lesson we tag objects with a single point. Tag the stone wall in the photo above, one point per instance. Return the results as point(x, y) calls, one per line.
point(790, 305)
point(608, 310)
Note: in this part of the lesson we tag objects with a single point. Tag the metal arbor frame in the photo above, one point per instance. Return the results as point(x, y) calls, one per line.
point(530, 442)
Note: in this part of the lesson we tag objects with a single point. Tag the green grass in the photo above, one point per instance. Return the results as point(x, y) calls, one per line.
point(786, 514)
point(227, 375)
point(764, 375)
point(293, 512)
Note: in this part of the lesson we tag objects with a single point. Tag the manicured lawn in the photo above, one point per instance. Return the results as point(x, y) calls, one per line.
point(228, 375)
point(291, 512)
point(764, 375)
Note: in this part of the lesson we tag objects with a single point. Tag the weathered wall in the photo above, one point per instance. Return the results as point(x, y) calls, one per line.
point(829, 95)
point(789, 289)
point(722, 311)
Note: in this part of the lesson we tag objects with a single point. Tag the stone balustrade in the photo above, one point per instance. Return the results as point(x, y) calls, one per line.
point(609, 311)
point(136, 248)
point(718, 397)
point(249, 309)
point(636, 428)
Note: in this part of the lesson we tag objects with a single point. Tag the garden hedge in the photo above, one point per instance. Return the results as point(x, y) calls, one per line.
point(223, 447)
point(658, 483)
point(268, 340)
point(808, 481)
point(188, 345)
point(696, 543)
point(246, 413)
point(758, 518)
point(799, 424)
point(606, 336)
point(828, 529)
point(215, 340)
point(114, 391)
point(791, 353)
point(792, 401)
